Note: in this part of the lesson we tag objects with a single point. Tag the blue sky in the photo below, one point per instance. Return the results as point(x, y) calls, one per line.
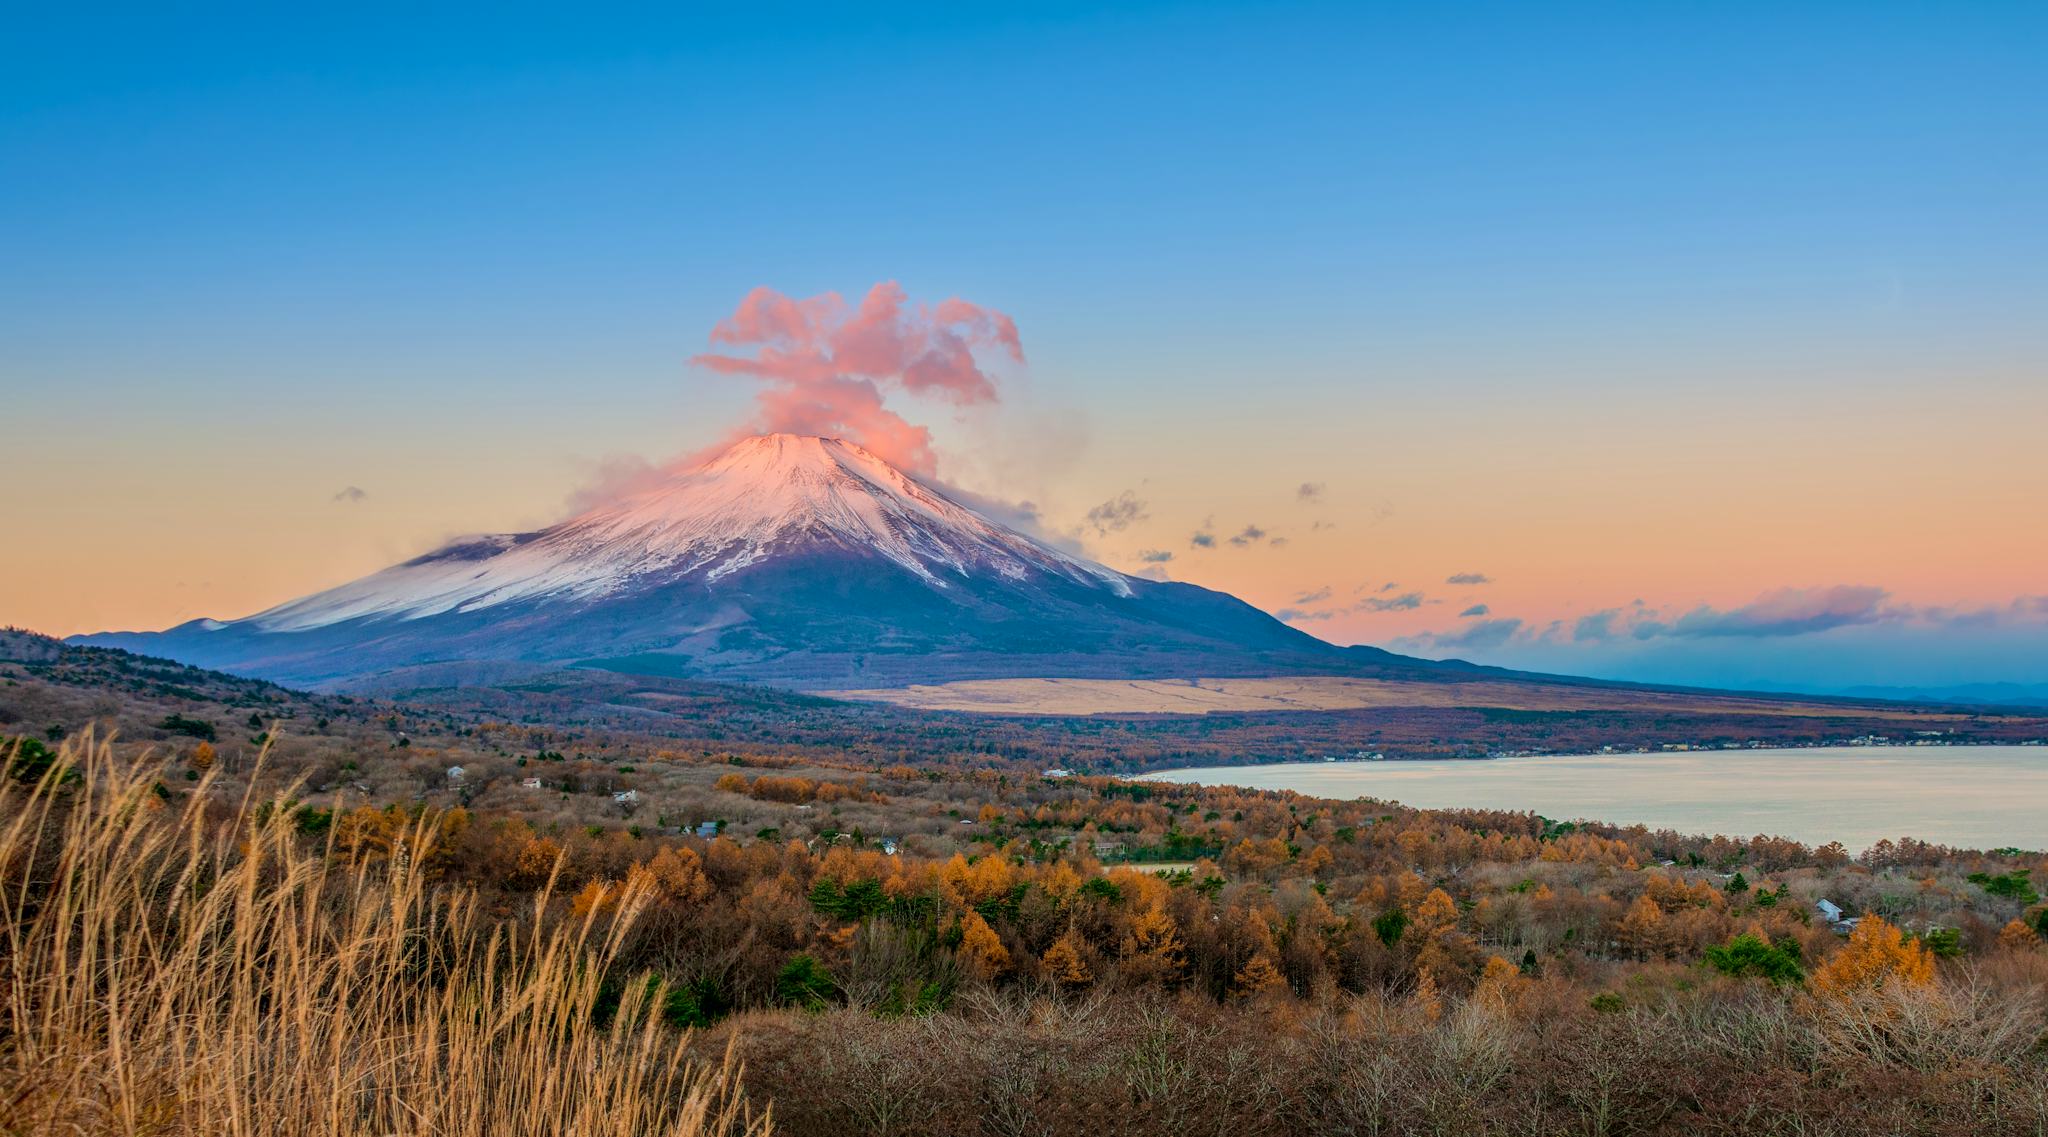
point(1441, 257)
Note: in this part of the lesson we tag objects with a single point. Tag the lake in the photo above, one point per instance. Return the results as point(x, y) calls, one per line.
point(1983, 797)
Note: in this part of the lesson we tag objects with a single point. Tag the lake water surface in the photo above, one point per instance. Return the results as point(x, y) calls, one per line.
point(1983, 797)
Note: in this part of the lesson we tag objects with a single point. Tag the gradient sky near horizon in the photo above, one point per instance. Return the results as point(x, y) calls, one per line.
point(1687, 343)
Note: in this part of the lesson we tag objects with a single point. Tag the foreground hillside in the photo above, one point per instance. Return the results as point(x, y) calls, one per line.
point(944, 941)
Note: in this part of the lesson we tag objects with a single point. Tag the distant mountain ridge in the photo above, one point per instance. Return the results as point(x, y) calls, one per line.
point(1976, 694)
point(801, 561)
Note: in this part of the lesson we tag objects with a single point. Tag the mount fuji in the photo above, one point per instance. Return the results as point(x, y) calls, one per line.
point(787, 559)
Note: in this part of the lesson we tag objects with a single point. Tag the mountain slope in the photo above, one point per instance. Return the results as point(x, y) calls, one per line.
point(803, 561)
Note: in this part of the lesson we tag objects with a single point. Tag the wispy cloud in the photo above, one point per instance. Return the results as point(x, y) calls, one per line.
point(1595, 627)
point(1117, 514)
point(1310, 492)
point(1298, 610)
point(1480, 634)
point(350, 495)
point(1782, 612)
point(2019, 610)
point(1468, 578)
point(1154, 556)
point(1249, 535)
point(1202, 541)
point(1779, 614)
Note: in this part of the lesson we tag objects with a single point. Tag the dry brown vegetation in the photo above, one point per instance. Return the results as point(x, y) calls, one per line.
point(197, 970)
point(1534, 1059)
point(328, 938)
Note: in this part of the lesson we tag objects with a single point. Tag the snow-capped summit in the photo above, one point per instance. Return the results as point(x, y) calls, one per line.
point(788, 558)
point(774, 494)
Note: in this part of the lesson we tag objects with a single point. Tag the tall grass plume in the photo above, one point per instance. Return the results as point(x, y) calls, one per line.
point(199, 967)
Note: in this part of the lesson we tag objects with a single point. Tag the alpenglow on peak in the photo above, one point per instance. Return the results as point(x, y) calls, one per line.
point(788, 558)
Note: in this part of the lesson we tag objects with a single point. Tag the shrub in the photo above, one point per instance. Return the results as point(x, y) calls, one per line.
point(1103, 888)
point(28, 759)
point(2013, 885)
point(1946, 943)
point(1749, 955)
point(804, 982)
point(194, 728)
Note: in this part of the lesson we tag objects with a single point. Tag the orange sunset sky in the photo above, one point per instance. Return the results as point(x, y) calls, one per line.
point(1687, 378)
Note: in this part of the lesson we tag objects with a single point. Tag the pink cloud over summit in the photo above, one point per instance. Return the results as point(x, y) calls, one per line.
point(829, 369)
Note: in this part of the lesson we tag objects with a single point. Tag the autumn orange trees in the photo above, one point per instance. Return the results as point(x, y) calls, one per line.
point(1877, 954)
point(2017, 936)
point(1066, 963)
point(981, 950)
point(1152, 950)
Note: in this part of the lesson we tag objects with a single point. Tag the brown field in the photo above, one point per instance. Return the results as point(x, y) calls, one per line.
point(1327, 693)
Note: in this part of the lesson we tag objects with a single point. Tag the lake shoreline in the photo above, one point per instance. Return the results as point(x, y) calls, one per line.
point(1994, 797)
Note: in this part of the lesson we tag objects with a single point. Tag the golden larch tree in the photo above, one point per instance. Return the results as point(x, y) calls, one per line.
point(1877, 954)
point(1500, 983)
point(981, 951)
point(1437, 914)
point(595, 899)
point(1259, 977)
point(1426, 998)
point(678, 874)
point(1152, 950)
point(1643, 930)
point(1065, 963)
